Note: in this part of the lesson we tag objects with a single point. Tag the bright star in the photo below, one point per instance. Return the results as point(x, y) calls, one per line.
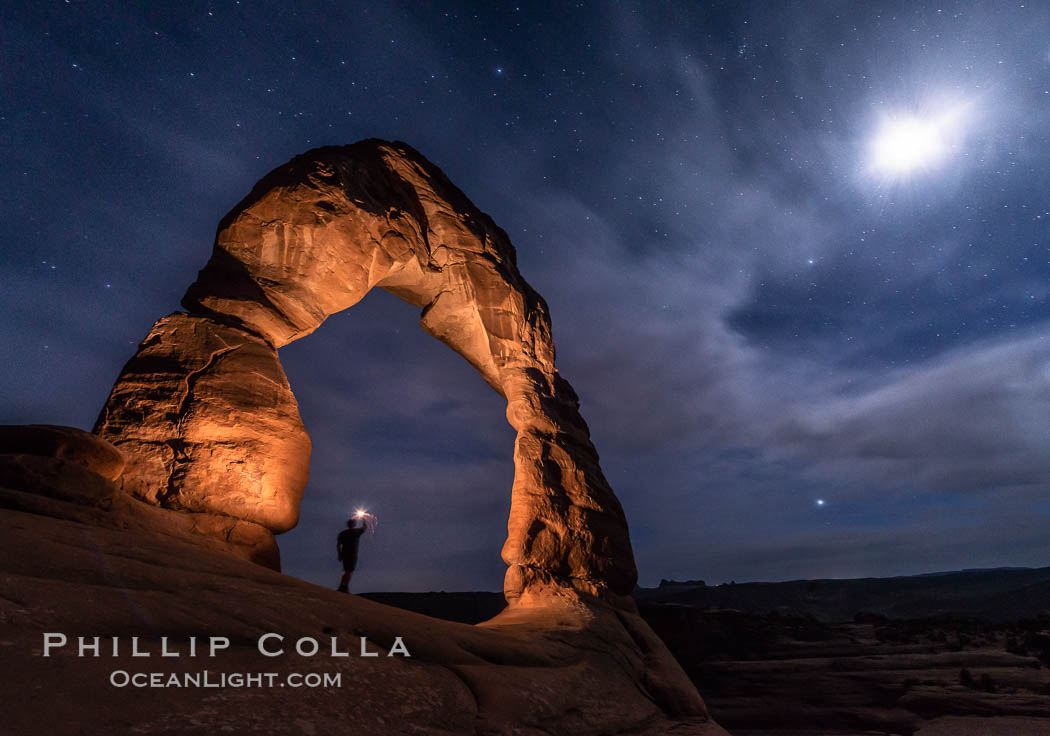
point(820, 502)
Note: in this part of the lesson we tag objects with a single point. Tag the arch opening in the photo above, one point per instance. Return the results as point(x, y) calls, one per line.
point(403, 426)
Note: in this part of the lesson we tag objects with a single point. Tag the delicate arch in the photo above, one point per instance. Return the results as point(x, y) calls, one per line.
point(207, 419)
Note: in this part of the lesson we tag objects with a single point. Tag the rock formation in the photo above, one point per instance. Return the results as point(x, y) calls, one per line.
point(205, 416)
point(201, 457)
point(76, 470)
point(60, 462)
point(208, 422)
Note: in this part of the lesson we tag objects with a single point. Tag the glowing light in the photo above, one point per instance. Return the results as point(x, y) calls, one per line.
point(906, 143)
point(820, 502)
point(370, 520)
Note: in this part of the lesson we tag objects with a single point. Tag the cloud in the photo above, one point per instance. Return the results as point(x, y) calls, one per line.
point(971, 420)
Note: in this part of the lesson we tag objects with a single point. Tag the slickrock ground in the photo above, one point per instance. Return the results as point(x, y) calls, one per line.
point(84, 570)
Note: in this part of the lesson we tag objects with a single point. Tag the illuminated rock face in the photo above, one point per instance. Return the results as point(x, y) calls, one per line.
point(208, 423)
point(205, 415)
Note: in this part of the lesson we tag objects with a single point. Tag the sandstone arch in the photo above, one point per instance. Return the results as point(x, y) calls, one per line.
point(207, 419)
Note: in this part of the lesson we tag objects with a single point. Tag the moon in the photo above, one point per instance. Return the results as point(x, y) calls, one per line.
point(905, 144)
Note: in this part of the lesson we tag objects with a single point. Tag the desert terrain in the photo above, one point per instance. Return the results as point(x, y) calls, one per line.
point(968, 653)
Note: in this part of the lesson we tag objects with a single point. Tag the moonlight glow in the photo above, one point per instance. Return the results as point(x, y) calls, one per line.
point(905, 144)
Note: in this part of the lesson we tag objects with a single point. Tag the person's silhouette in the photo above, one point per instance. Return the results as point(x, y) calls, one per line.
point(346, 546)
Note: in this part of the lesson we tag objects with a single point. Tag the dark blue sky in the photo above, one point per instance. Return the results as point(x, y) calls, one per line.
point(804, 349)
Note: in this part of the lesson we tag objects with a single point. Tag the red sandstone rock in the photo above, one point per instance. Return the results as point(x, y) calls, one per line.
point(310, 240)
point(57, 478)
point(54, 471)
point(206, 418)
point(63, 443)
point(208, 423)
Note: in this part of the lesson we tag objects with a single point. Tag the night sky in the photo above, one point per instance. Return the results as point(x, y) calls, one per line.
point(796, 257)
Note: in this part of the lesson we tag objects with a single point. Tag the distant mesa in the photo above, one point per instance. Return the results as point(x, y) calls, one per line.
point(201, 458)
point(664, 583)
point(998, 595)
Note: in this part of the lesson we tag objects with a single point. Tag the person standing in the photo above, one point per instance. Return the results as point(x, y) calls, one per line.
point(346, 547)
